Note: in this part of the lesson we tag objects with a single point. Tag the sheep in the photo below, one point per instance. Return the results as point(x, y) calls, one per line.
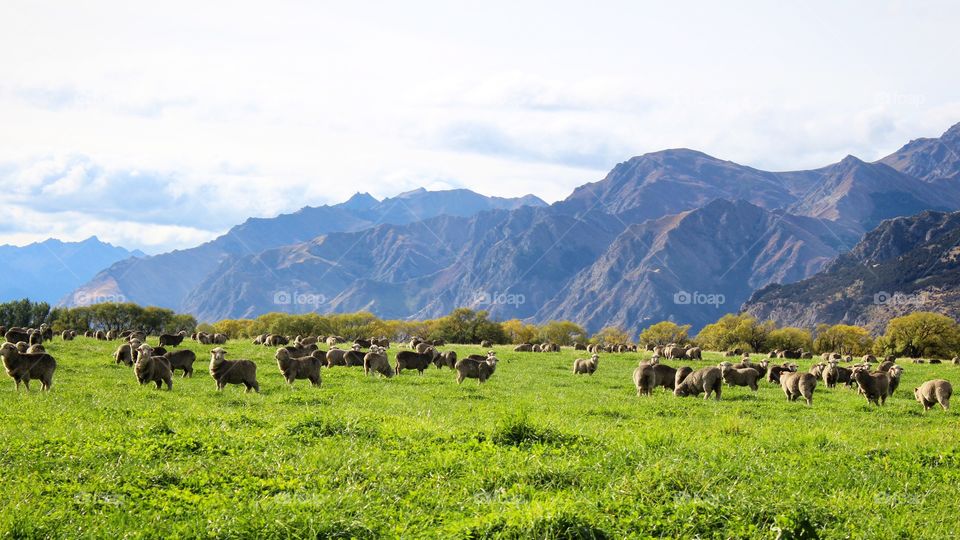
point(523, 347)
point(423, 347)
point(14, 335)
point(124, 354)
point(37, 348)
point(885, 366)
point(362, 343)
point(333, 340)
point(112, 335)
point(582, 365)
point(894, 379)
point(382, 342)
point(353, 357)
point(226, 372)
point(448, 359)
point(376, 361)
point(414, 360)
point(300, 350)
point(956, 360)
point(933, 392)
point(874, 386)
point(473, 369)
point(306, 367)
point(739, 377)
point(936, 361)
point(776, 371)
point(868, 358)
point(182, 360)
point(834, 374)
point(274, 340)
point(817, 369)
point(806, 355)
point(695, 353)
point(644, 379)
point(335, 357)
point(796, 384)
point(173, 340)
point(155, 369)
point(218, 339)
point(486, 343)
point(706, 380)
point(67, 335)
point(675, 352)
point(22, 367)
point(22, 347)
point(681, 375)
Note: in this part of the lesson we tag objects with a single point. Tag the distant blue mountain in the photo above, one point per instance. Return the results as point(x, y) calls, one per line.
point(48, 270)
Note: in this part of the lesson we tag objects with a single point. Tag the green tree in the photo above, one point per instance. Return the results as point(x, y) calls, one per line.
point(563, 333)
point(923, 334)
point(611, 335)
point(843, 339)
point(665, 332)
point(790, 338)
point(733, 331)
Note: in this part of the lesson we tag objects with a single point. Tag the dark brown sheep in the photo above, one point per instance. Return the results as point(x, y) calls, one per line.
point(353, 357)
point(124, 354)
point(24, 367)
point(182, 360)
point(933, 392)
point(306, 367)
point(172, 340)
point(874, 386)
point(226, 372)
point(414, 360)
point(681, 375)
point(448, 359)
point(704, 380)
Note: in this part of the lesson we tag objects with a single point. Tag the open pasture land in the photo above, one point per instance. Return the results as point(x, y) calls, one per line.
point(534, 453)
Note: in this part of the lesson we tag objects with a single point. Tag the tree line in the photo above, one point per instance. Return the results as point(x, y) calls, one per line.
point(919, 334)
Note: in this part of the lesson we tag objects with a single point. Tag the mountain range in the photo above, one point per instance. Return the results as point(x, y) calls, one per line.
point(675, 234)
point(46, 271)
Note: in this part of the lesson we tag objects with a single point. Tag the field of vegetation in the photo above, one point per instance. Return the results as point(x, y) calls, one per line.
point(535, 453)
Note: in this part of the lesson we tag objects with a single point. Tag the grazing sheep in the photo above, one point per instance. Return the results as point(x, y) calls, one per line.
point(382, 342)
point(579, 347)
point(797, 384)
point(182, 360)
point(172, 340)
point(353, 357)
point(582, 365)
point(155, 369)
point(675, 352)
point(868, 358)
point(523, 347)
point(335, 357)
point(15, 335)
point(695, 353)
point(806, 355)
point(874, 386)
point(486, 344)
point(474, 369)
point(300, 350)
point(414, 360)
point(423, 347)
point(448, 359)
point(885, 366)
point(936, 361)
point(681, 375)
point(644, 378)
point(23, 367)
point(363, 343)
point(124, 354)
point(67, 335)
point(739, 377)
point(933, 392)
point(36, 348)
point(376, 361)
point(705, 380)
point(306, 367)
point(22, 347)
point(226, 372)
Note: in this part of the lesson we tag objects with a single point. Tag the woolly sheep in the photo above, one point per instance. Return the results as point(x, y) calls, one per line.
point(23, 367)
point(933, 392)
point(226, 372)
point(706, 380)
point(796, 384)
point(582, 365)
point(305, 367)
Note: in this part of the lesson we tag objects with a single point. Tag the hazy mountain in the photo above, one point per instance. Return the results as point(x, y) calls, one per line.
point(929, 159)
point(164, 280)
point(906, 264)
point(45, 271)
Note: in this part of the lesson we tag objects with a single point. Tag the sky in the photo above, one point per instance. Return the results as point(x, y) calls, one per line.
point(159, 125)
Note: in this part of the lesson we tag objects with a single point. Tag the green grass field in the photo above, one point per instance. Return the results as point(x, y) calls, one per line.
point(535, 453)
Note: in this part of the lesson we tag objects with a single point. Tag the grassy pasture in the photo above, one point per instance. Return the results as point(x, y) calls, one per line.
point(535, 453)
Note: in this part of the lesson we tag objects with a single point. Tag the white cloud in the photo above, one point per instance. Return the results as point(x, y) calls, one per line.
point(191, 117)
